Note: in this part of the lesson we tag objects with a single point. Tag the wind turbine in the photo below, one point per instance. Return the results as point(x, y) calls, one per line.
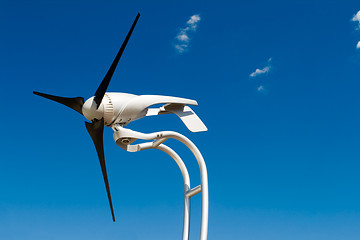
point(116, 110)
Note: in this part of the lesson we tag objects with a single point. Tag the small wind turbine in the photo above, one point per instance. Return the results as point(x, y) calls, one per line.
point(116, 110)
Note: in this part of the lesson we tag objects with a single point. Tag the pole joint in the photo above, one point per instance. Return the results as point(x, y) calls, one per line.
point(193, 192)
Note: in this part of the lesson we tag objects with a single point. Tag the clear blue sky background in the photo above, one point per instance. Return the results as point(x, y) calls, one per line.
point(283, 162)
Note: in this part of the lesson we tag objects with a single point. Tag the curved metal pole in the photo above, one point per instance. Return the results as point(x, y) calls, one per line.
point(203, 177)
point(186, 178)
point(185, 174)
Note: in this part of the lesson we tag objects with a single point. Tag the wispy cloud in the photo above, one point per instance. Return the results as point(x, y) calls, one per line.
point(260, 71)
point(356, 18)
point(260, 88)
point(358, 45)
point(182, 38)
point(264, 70)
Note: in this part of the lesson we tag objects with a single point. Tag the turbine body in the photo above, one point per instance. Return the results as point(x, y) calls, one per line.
point(122, 108)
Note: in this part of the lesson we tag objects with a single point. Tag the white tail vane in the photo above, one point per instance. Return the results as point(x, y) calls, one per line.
point(185, 113)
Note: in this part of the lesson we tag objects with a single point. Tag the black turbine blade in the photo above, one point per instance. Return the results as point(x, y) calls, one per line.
point(96, 130)
point(100, 92)
point(73, 103)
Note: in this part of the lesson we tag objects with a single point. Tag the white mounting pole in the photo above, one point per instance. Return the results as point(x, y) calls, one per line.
point(124, 136)
point(185, 174)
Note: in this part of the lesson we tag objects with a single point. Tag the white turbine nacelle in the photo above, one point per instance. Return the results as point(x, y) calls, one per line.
point(106, 109)
point(122, 108)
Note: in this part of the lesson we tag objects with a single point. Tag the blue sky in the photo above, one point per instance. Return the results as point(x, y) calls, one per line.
point(282, 146)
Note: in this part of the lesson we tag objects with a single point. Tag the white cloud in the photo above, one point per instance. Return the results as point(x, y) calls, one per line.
point(183, 39)
point(260, 71)
point(264, 70)
point(192, 22)
point(358, 45)
point(356, 18)
point(193, 19)
point(181, 47)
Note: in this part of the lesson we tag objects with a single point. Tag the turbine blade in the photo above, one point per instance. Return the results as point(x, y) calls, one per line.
point(75, 103)
point(99, 94)
point(96, 130)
